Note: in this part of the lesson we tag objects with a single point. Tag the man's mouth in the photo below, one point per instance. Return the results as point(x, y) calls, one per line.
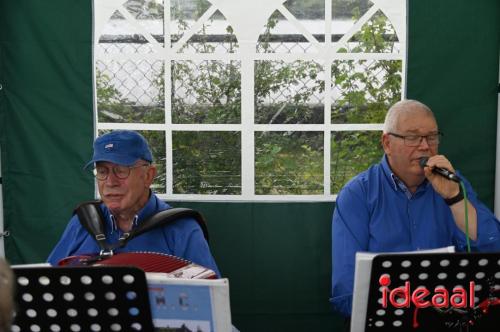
point(417, 160)
point(113, 196)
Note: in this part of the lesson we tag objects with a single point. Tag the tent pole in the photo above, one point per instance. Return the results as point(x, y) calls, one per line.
point(497, 163)
point(2, 233)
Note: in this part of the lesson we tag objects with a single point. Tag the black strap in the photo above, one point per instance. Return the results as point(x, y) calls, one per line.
point(459, 197)
point(168, 216)
point(90, 216)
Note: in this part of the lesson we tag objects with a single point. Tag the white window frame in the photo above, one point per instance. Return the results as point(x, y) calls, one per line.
point(243, 15)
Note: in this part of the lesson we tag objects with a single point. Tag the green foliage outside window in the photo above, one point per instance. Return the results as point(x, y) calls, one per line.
point(213, 86)
point(285, 92)
point(368, 88)
point(206, 162)
point(289, 163)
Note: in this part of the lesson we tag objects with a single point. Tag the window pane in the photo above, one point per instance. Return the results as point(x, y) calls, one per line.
point(347, 9)
point(214, 36)
point(130, 91)
point(288, 92)
point(377, 35)
point(281, 35)
point(206, 92)
point(363, 90)
point(156, 140)
point(178, 67)
point(207, 162)
point(306, 11)
point(184, 14)
point(148, 15)
point(351, 153)
point(141, 36)
point(120, 37)
point(144, 10)
point(288, 163)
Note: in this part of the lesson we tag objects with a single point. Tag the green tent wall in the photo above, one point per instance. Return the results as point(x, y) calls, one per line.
point(277, 256)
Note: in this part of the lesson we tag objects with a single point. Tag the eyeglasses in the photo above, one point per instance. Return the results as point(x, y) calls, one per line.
point(416, 140)
point(121, 172)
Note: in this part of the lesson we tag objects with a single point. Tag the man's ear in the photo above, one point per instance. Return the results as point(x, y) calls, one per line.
point(386, 143)
point(150, 175)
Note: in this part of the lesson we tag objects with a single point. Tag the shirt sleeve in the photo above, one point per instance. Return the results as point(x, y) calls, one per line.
point(350, 234)
point(186, 239)
point(69, 241)
point(488, 226)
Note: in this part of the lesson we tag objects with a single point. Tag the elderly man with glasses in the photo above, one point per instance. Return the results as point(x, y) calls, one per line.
point(124, 169)
point(402, 204)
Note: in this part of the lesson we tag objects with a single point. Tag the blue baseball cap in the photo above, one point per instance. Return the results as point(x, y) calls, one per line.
point(122, 147)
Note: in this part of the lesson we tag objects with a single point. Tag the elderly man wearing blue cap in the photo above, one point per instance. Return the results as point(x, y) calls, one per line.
point(124, 171)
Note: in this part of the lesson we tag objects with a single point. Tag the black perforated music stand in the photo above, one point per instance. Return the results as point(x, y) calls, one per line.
point(446, 270)
point(81, 299)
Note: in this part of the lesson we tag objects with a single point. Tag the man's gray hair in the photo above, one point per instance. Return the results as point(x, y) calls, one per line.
point(401, 107)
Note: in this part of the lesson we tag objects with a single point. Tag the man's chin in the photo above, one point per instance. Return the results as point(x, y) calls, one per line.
point(419, 172)
point(113, 206)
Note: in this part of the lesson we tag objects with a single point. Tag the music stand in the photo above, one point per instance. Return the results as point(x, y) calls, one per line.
point(433, 270)
point(74, 299)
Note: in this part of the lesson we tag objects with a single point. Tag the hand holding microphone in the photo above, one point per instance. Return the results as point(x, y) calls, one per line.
point(447, 189)
point(439, 170)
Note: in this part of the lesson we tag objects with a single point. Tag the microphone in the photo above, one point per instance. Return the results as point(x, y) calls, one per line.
point(439, 170)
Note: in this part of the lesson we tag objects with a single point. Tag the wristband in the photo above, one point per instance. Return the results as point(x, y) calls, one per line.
point(456, 199)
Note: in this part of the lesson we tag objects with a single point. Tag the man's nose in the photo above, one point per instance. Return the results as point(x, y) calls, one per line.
point(112, 179)
point(423, 143)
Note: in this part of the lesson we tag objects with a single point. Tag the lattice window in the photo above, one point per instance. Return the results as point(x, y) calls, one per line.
point(251, 100)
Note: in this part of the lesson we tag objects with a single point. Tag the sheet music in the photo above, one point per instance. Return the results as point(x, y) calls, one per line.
point(362, 277)
point(195, 304)
point(31, 265)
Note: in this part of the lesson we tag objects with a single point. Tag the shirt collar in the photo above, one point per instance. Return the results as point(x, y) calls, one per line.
point(388, 172)
point(400, 184)
point(114, 226)
point(397, 183)
point(146, 211)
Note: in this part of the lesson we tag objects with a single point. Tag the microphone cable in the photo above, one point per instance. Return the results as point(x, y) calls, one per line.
point(453, 177)
point(466, 215)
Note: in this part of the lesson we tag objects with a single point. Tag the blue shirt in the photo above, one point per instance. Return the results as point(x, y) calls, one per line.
point(183, 238)
point(375, 212)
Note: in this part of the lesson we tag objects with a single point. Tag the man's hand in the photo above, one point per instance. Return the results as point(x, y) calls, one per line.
point(444, 187)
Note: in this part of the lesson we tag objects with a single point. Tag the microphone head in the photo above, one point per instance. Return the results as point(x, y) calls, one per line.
point(423, 161)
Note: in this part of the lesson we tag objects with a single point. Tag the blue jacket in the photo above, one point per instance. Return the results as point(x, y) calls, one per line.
point(183, 238)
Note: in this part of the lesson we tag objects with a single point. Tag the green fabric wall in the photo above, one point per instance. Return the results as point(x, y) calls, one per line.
point(278, 261)
point(277, 256)
point(453, 68)
point(46, 119)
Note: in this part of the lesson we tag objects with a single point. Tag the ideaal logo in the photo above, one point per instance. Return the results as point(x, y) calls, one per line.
point(421, 297)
